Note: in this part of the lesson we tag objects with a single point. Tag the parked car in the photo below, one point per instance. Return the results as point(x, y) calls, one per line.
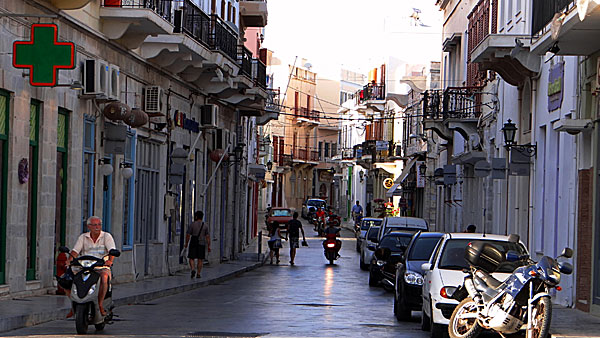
point(279, 216)
point(402, 223)
point(409, 277)
point(311, 205)
point(389, 250)
point(443, 274)
point(368, 246)
point(365, 223)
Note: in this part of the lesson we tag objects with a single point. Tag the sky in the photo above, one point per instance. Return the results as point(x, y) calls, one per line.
point(354, 34)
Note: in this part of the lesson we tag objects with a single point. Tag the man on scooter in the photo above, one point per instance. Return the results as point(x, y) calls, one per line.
point(95, 243)
point(320, 217)
point(331, 232)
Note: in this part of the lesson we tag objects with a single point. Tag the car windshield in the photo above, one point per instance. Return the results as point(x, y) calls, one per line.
point(453, 256)
point(373, 233)
point(316, 203)
point(422, 248)
point(396, 243)
point(366, 223)
point(282, 212)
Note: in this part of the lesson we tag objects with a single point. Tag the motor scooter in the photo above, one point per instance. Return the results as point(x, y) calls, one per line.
point(85, 289)
point(331, 247)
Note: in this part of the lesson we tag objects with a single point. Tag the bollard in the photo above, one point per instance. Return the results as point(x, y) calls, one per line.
point(259, 245)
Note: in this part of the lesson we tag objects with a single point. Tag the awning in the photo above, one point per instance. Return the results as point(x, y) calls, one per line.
point(401, 178)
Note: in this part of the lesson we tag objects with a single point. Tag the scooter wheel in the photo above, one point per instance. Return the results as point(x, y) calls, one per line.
point(81, 318)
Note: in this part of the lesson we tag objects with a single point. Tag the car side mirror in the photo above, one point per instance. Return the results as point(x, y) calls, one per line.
point(64, 249)
point(114, 252)
point(567, 253)
point(426, 267)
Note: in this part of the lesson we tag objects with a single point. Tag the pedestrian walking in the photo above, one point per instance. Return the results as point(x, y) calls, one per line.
point(294, 227)
point(198, 239)
point(274, 241)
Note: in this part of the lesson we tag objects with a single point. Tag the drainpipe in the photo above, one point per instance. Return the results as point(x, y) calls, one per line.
point(532, 183)
point(236, 184)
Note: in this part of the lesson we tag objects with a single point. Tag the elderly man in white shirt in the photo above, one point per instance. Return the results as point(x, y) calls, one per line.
point(95, 243)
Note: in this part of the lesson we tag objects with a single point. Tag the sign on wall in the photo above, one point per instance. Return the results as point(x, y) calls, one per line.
point(43, 55)
point(555, 86)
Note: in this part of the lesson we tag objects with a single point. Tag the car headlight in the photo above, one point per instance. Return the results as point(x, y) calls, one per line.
point(380, 263)
point(87, 263)
point(92, 289)
point(411, 277)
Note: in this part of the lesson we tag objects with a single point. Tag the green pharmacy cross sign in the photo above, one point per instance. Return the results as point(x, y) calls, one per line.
point(43, 55)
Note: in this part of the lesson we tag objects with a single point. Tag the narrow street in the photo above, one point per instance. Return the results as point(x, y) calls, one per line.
point(310, 299)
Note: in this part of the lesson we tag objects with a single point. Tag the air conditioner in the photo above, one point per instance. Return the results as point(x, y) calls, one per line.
point(95, 77)
point(152, 99)
point(114, 89)
point(208, 116)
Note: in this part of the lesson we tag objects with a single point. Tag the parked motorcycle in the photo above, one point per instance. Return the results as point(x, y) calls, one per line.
point(522, 301)
point(85, 289)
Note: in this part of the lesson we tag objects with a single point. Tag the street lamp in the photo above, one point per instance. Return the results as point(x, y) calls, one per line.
point(510, 130)
point(422, 169)
point(269, 165)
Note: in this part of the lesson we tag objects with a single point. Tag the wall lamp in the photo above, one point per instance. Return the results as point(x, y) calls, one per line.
point(106, 168)
point(126, 169)
point(269, 165)
point(509, 132)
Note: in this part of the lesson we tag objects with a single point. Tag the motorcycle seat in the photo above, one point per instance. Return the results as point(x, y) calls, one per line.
point(488, 279)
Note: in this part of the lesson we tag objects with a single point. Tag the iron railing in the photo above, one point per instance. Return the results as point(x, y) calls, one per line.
point(543, 11)
point(371, 91)
point(454, 102)
point(302, 154)
point(194, 22)
point(223, 37)
point(259, 73)
point(309, 114)
point(272, 101)
point(314, 155)
point(287, 160)
point(245, 60)
point(161, 7)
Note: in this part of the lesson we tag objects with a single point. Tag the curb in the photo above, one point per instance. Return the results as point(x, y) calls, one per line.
point(31, 319)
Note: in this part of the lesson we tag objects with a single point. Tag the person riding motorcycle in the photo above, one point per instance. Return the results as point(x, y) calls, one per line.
point(331, 233)
point(95, 243)
point(357, 210)
point(320, 214)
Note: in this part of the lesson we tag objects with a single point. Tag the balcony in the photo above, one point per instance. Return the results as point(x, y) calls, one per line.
point(69, 4)
point(245, 61)
point(306, 117)
point(506, 54)
point(130, 22)
point(453, 109)
point(254, 13)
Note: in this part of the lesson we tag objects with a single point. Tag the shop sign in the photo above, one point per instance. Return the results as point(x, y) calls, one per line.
point(182, 121)
point(420, 176)
point(388, 183)
point(381, 145)
point(555, 86)
point(43, 55)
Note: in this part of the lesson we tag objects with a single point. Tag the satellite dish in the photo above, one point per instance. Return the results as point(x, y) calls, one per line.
point(582, 7)
point(557, 21)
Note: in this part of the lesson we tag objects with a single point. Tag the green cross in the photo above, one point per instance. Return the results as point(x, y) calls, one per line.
point(43, 55)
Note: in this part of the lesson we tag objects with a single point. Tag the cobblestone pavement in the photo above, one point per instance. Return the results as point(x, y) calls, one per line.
point(310, 299)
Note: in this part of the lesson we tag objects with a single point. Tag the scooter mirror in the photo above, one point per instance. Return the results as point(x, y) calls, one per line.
point(114, 252)
point(512, 256)
point(567, 253)
point(566, 268)
point(64, 249)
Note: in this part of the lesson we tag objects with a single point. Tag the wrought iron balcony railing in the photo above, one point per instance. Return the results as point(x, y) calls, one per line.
point(308, 114)
point(454, 102)
point(245, 60)
point(301, 154)
point(223, 37)
point(161, 7)
point(314, 155)
point(259, 73)
point(371, 91)
point(287, 160)
point(543, 11)
point(194, 22)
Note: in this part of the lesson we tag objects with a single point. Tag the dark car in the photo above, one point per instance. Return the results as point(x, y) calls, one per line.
point(389, 250)
point(409, 277)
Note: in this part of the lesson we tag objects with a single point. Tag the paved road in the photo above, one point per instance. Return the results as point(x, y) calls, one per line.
point(310, 299)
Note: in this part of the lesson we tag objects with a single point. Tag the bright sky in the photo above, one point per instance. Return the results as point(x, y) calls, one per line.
point(354, 34)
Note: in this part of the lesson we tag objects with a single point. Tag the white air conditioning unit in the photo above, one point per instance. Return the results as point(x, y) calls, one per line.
point(95, 77)
point(152, 99)
point(209, 114)
point(114, 89)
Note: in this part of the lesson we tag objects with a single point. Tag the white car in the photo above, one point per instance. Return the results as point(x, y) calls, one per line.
point(365, 224)
point(367, 247)
point(402, 223)
point(442, 275)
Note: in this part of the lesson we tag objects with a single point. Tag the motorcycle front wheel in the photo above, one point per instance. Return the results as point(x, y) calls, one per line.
point(464, 327)
point(81, 318)
point(542, 313)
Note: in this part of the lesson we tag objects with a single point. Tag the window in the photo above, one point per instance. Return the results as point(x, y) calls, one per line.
point(333, 149)
point(229, 11)
point(32, 188)
point(233, 16)
point(4, 123)
point(320, 150)
point(128, 193)
point(326, 149)
point(223, 9)
point(87, 187)
point(60, 219)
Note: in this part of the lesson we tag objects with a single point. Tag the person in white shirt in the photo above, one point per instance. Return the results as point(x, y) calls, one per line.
point(95, 243)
